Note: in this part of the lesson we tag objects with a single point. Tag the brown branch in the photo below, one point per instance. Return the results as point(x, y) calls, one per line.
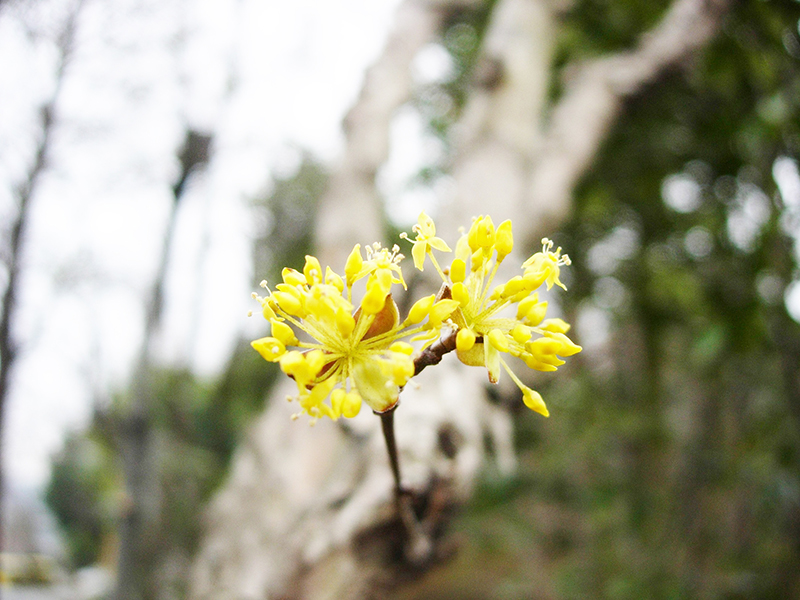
point(433, 354)
point(418, 543)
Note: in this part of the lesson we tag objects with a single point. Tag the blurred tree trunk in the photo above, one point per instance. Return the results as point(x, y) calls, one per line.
point(307, 512)
point(132, 422)
point(24, 192)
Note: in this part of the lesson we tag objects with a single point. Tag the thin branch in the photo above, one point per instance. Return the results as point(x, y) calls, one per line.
point(433, 354)
point(24, 193)
point(419, 545)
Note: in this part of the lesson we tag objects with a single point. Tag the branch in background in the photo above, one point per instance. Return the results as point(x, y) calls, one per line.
point(387, 86)
point(593, 97)
point(24, 192)
point(499, 129)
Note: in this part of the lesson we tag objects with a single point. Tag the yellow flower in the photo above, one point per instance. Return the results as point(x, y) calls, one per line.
point(544, 266)
point(483, 335)
point(425, 240)
point(354, 354)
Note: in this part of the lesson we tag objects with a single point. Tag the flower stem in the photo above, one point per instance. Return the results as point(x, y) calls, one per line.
point(419, 545)
point(387, 424)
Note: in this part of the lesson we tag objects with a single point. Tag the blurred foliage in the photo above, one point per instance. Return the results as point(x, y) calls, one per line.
point(82, 484)
point(194, 425)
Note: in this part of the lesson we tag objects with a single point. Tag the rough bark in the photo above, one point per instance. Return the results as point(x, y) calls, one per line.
point(308, 512)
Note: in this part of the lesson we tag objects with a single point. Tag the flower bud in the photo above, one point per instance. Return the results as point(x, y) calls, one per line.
point(534, 401)
point(353, 265)
point(458, 271)
point(421, 309)
point(333, 279)
point(498, 340)
point(504, 242)
point(460, 293)
point(293, 277)
point(465, 340)
point(283, 333)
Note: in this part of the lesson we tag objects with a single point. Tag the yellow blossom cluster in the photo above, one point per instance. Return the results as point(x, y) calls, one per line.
point(352, 354)
point(483, 335)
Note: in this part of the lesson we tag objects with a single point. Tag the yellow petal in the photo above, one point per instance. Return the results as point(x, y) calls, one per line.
point(440, 311)
point(460, 293)
point(498, 339)
point(555, 325)
point(293, 277)
point(351, 405)
point(535, 314)
point(458, 271)
point(425, 226)
point(374, 300)
point(439, 244)
point(353, 265)
point(418, 251)
point(284, 333)
point(312, 270)
point(269, 348)
point(288, 303)
point(345, 322)
point(337, 401)
point(520, 333)
point(333, 279)
point(421, 309)
point(402, 348)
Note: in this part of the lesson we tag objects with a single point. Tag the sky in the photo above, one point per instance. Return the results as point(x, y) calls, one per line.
point(266, 78)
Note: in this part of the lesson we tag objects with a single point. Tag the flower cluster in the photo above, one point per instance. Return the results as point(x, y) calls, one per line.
point(483, 335)
point(353, 354)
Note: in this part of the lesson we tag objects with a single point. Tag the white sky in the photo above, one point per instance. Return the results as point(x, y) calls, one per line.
point(264, 76)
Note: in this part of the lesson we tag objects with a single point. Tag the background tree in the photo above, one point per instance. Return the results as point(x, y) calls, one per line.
point(24, 192)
